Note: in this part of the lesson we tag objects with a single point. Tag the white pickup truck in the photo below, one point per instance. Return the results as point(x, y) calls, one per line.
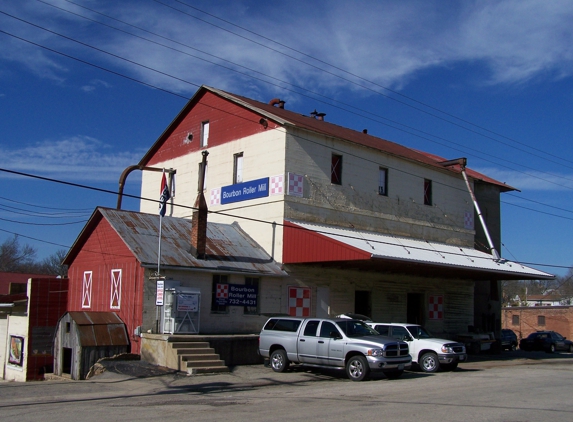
point(334, 343)
point(428, 352)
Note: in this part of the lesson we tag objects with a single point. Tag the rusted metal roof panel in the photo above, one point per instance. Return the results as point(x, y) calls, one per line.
point(100, 329)
point(228, 246)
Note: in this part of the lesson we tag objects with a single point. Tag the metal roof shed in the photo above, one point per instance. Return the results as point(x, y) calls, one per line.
point(82, 338)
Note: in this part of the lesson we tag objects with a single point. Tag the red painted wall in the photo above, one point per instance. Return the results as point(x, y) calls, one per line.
point(227, 122)
point(103, 252)
point(300, 246)
point(48, 300)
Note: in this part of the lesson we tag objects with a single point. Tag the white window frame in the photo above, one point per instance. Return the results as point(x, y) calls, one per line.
point(87, 289)
point(115, 289)
point(205, 133)
point(238, 168)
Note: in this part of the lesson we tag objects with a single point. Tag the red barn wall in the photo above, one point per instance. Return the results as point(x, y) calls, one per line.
point(103, 252)
point(47, 302)
point(227, 122)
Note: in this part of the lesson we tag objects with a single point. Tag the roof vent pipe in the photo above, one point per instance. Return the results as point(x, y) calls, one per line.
point(320, 116)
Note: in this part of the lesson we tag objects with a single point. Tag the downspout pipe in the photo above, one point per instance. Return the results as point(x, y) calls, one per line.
point(129, 169)
point(462, 162)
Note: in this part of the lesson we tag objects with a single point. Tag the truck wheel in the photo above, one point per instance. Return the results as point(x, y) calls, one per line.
point(393, 375)
point(429, 362)
point(357, 368)
point(279, 360)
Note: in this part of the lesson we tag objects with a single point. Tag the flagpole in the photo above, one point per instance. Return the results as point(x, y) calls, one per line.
point(165, 195)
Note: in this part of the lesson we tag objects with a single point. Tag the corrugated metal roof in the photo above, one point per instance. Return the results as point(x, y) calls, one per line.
point(229, 248)
point(100, 329)
point(408, 250)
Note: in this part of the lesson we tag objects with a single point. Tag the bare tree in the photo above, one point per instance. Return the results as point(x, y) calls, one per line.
point(53, 264)
point(17, 258)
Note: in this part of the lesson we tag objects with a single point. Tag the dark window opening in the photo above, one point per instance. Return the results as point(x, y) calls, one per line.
point(540, 320)
point(383, 182)
point(252, 310)
point(336, 169)
point(427, 192)
point(515, 319)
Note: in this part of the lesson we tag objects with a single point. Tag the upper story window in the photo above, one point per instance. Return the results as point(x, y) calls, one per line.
point(238, 168)
point(383, 181)
point(336, 169)
point(204, 134)
point(515, 319)
point(427, 192)
point(540, 319)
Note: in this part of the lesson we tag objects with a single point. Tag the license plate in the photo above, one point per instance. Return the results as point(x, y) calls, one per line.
point(400, 367)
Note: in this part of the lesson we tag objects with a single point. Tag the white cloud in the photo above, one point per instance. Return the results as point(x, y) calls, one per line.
point(530, 180)
point(386, 42)
point(78, 158)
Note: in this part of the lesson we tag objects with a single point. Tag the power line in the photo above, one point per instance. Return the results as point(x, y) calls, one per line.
point(254, 219)
point(361, 78)
point(478, 152)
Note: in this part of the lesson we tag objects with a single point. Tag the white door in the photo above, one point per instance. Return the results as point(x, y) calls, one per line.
point(322, 302)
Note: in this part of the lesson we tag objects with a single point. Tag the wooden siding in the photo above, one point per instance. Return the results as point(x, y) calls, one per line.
point(47, 303)
point(103, 252)
point(227, 122)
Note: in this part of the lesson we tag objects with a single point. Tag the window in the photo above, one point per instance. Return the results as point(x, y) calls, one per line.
point(204, 177)
point(383, 182)
point(252, 310)
point(515, 319)
point(427, 192)
point(238, 168)
point(204, 134)
point(336, 169)
point(87, 290)
point(541, 320)
point(326, 328)
point(115, 289)
point(219, 294)
point(311, 328)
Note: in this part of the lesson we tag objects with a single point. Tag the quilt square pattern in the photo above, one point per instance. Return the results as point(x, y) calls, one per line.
point(436, 307)
point(277, 185)
point(295, 184)
point(222, 291)
point(299, 301)
point(215, 196)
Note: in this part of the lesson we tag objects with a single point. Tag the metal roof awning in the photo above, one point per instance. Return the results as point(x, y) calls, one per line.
point(98, 329)
point(306, 243)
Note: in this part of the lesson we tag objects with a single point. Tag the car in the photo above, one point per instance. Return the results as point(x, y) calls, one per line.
point(508, 340)
point(549, 341)
point(429, 353)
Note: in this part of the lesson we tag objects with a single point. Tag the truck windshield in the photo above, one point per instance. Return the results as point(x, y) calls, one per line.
point(419, 332)
point(354, 328)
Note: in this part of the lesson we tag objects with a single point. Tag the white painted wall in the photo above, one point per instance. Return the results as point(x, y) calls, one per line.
point(17, 326)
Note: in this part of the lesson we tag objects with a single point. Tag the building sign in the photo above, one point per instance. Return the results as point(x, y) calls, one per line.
point(160, 290)
point(187, 302)
point(299, 301)
point(16, 354)
point(436, 307)
point(236, 295)
point(244, 191)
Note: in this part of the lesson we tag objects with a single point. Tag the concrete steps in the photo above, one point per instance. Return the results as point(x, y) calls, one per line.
point(198, 356)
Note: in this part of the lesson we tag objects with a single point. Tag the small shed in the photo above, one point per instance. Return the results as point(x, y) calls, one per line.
point(82, 338)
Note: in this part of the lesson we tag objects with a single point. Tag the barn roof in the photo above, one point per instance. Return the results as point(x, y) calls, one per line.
point(287, 118)
point(229, 248)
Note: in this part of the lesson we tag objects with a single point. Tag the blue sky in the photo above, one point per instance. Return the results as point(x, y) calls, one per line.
point(82, 99)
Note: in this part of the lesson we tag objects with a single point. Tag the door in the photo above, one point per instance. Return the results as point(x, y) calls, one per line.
point(415, 309)
point(330, 350)
point(167, 320)
point(363, 303)
point(308, 342)
point(322, 302)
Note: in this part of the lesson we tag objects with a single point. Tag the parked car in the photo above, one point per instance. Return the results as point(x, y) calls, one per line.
point(549, 341)
point(508, 340)
point(333, 343)
point(428, 352)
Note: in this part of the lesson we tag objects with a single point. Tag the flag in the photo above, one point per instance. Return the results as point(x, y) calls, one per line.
point(165, 195)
